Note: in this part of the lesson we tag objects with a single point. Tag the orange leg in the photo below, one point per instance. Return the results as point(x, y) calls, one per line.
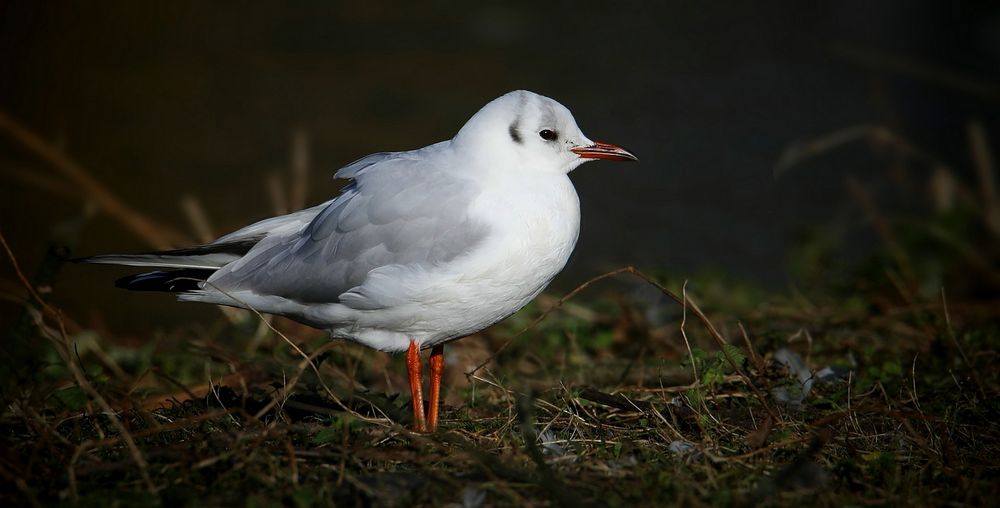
point(416, 387)
point(437, 369)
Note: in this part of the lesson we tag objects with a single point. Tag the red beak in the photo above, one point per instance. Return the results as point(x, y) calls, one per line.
point(606, 151)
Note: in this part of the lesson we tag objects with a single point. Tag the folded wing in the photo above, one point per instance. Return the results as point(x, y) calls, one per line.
point(398, 214)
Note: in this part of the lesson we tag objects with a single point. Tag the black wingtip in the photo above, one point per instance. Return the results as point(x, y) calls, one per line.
point(170, 281)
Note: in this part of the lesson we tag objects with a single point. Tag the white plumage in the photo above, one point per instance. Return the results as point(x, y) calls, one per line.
point(420, 248)
point(427, 245)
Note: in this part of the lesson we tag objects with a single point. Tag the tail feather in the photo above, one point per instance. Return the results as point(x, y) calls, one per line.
point(170, 281)
point(208, 257)
point(188, 268)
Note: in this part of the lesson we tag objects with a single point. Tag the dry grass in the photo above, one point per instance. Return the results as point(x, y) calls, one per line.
point(580, 409)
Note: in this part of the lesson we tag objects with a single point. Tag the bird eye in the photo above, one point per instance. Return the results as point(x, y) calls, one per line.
point(548, 135)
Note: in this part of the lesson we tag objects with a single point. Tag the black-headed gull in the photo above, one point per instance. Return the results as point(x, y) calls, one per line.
point(420, 248)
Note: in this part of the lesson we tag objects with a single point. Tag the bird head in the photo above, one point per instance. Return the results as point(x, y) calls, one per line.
point(531, 131)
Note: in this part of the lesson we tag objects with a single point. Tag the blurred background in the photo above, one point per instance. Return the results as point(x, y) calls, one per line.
point(761, 126)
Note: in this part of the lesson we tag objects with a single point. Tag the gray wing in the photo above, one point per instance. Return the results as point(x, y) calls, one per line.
point(296, 220)
point(398, 212)
point(282, 224)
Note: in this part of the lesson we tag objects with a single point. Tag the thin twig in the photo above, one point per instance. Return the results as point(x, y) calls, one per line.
point(961, 350)
point(720, 341)
point(687, 343)
point(307, 361)
point(685, 301)
point(545, 314)
point(81, 380)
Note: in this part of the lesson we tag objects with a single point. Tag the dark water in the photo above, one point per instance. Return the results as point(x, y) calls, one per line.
point(192, 98)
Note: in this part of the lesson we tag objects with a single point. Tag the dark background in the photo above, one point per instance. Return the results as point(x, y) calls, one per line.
point(169, 99)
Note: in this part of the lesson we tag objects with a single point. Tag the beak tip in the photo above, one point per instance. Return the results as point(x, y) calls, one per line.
point(606, 151)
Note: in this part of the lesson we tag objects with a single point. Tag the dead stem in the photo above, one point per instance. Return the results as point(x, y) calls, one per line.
point(885, 231)
point(958, 345)
point(979, 148)
point(882, 60)
point(307, 361)
point(156, 235)
point(197, 217)
point(683, 301)
point(64, 348)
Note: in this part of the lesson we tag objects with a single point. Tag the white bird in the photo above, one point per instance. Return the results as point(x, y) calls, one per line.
point(420, 248)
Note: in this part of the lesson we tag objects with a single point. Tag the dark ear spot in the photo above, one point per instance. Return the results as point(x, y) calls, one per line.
point(516, 136)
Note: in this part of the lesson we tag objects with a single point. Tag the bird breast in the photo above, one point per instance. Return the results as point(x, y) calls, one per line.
point(534, 225)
